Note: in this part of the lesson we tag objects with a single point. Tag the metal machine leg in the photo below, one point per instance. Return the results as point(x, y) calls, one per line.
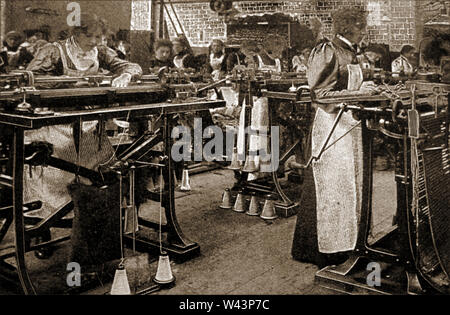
point(19, 228)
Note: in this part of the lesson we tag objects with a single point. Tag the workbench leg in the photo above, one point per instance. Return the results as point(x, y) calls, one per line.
point(175, 234)
point(285, 199)
point(19, 228)
point(413, 284)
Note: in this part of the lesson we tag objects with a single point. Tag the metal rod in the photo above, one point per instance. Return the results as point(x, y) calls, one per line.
point(176, 16)
point(19, 227)
point(133, 204)
point(210, 86)
point(171, 21)
point(324, 146)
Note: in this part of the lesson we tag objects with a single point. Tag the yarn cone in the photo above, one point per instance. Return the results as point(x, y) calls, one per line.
point(239, 205)
point(120, 284)
point(185, 182)
point(226, 199)
point(235, 163)
point(250, 164)
point(254, 208)
point(268, 212)
point(164, 272)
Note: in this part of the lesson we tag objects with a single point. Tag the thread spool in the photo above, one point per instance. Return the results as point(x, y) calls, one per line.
point(268, 212)
point(164, 274)
point(239, 205)
point(254, 208)
point(120, 284)
point(185, 182)
point(226, 199)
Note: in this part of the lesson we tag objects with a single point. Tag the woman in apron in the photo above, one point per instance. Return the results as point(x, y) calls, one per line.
point(217, 59)
point(184, 57)
point(78, 55)
point(270, 52)
point(266, 62)
point(333, 215)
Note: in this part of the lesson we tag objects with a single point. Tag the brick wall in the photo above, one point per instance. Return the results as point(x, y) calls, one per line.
point(202, 25)
point(116, 12)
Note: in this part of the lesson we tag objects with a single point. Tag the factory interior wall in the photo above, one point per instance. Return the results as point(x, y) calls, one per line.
point(116, 13)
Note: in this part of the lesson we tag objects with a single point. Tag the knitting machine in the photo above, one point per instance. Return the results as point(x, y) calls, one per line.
point(264, 78)
point(293, 122)
point(413, 258)
point(29, 102)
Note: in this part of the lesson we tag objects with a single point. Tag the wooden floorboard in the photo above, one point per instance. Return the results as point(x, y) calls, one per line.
point(240, 254)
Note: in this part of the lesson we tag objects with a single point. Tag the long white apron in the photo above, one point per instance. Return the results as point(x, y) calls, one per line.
point(49, 184)
point(338, 181)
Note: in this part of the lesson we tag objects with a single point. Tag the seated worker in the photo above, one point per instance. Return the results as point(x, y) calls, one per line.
point(79, 55)
point(184, 56)
point(300, 62)
point(371, 56)
point(217, 59)
point(404, 63)
point(119, 42)
point(236, 58)
point(35, 40)
point(163, 56)
point(370, 59)
point(327, 227)
point(250, 51)
point(16, 50)
point(12, 41)
point(266, 61)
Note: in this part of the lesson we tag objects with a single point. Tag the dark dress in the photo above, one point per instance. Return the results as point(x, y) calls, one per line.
point(327, 76)
point(234, 59)
point(49, 60)
point(185, 60)
point(156, 65)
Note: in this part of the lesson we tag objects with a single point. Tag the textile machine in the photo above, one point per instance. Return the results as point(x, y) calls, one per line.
point(29, 102)
point(413, 255)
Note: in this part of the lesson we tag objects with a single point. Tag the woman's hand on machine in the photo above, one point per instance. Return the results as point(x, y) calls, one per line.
point(122, 81)
point(369, 87)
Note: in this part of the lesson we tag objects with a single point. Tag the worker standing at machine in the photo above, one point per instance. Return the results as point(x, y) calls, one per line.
point(300, 62)
point(267, 61)
point(334, 213)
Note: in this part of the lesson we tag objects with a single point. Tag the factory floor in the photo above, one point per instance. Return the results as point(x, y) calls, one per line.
point(240, 254)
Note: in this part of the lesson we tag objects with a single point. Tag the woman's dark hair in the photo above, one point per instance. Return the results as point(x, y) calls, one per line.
point(185, 44)
point(345, 18)
point(64, 34)
point(407, 49)
point(218, 41)
point(376, 48)
point(163, 43)
point(89, 23)
point(385, 57)
point(42, 32)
